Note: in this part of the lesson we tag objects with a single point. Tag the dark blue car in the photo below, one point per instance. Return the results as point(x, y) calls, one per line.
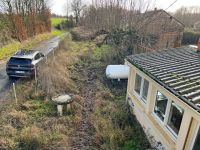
point(23, 63)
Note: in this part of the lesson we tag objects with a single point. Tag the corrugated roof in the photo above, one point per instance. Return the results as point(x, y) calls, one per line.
point(177, 69)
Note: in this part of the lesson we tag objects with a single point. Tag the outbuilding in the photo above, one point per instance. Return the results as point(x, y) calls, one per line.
point(164, 94)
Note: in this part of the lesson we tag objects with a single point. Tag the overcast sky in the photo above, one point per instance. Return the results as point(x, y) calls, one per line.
point(58, 6)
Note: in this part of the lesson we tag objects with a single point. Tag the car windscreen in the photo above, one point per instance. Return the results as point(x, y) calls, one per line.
point(20, 61)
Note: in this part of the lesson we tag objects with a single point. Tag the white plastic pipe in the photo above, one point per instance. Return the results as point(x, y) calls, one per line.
point(117, 72)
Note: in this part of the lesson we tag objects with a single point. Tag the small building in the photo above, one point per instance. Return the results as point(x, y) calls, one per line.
point(161, 30)
point(164, 94)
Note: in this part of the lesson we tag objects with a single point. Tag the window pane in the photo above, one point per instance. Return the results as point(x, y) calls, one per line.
point(138, 81)
point(145, 89)
point(160, 105)
point(175, 117)
point(197, 142)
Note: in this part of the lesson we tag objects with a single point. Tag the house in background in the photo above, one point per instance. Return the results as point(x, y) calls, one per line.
point(161, 28)
point(164, 94)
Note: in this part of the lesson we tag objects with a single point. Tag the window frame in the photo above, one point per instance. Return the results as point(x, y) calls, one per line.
point(171, 130)
point(139, 95)
point(142, 92)
point(166, 110)
point(164, 123)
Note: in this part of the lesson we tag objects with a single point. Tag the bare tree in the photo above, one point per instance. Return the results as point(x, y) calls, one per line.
point(77, 7)
point(188, 15)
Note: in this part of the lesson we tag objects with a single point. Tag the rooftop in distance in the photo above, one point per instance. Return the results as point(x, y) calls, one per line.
point(177, 69)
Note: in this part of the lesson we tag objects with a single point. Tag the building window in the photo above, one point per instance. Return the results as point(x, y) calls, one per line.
point(197, 142)
point(160, 105)
point(169, 113)
point(175, 117)
point(138, 82)
point(141, 87)
point(145, 89)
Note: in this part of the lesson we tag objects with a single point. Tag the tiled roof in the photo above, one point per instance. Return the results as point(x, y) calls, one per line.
point(177, 69)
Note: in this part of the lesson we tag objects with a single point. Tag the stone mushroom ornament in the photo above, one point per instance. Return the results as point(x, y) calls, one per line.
point(61, 100)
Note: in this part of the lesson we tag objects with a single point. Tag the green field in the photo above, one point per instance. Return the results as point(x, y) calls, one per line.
point(55, 21)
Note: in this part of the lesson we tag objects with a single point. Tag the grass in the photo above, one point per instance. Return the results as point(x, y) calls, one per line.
point(56, 32)
point(114, 125)
point(9, 49)
point(33, 123)
point(56, 21)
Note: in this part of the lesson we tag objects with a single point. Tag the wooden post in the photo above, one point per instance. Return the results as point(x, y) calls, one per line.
point(36, 80)
point(15, 94)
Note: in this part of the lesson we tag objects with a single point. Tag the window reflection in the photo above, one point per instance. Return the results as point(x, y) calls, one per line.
point(175, 117)
point(160, 105)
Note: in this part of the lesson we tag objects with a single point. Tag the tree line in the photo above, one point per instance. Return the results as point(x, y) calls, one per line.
point(24, 18)
point(109, 14)
point(189, 16)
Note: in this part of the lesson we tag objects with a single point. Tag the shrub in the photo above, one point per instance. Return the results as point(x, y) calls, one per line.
point(75, 36)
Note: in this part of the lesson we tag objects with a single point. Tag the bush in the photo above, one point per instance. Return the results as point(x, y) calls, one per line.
point(75, 36)
point(190, 38)
point(67, 24)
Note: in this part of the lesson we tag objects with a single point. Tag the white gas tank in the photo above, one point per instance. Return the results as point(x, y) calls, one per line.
point(117, 72)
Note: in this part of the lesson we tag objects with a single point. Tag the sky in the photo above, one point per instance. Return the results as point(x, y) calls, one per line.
point(59, 6)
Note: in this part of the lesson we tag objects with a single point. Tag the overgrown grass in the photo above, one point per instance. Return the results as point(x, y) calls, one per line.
point(33, 122)
point(114, 125)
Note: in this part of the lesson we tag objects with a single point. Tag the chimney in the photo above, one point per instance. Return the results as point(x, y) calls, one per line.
point(198, 45)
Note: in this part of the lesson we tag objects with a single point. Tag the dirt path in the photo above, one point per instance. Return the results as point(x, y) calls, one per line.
point(83, 137)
